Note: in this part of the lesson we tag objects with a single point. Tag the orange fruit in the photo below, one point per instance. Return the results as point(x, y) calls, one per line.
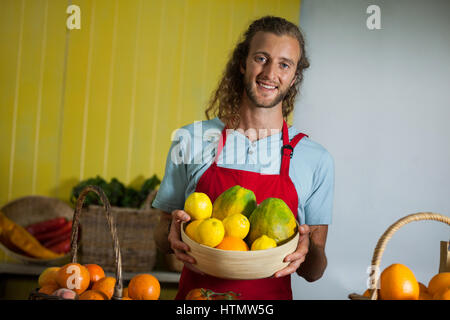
point(232, 243)
point(144, 286)
point(191, 228)
point(422, 287)
point(96, 272)
point(442, 294)
point(73, 276)
point(397, 282)
point(440, 280)
point(423, 292)
point(106, 286)
point(48, 276)
point(93, 295)
point(125, 292)
point(367, 294)
point(126, 298)
point(49, 288)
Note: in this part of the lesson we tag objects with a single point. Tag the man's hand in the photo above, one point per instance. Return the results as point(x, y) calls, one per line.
point(178, 246)
point(298, 256)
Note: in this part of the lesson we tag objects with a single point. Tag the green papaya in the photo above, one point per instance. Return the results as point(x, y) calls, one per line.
point(234, 200)
point(274, 219)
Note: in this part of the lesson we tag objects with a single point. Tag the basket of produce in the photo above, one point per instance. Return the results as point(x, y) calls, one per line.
point(136, 221)
point(397, 281)
point(74, 281)
point(235, 238)
point(36, 230)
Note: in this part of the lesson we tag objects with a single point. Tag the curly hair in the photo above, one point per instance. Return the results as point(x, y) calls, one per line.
point(225, 100)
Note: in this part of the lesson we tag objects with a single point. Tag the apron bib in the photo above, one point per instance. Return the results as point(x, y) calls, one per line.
point(216, 180)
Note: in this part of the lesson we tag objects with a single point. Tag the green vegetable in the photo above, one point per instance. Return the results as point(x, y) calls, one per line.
point(130, 199)
point(117, 191)
point(118, 194)
point(148, 186)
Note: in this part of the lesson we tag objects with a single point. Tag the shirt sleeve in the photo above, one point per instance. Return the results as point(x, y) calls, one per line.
point(171, 192)
point(319, 206)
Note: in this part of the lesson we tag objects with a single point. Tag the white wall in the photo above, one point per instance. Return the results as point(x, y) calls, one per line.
point(379, 101)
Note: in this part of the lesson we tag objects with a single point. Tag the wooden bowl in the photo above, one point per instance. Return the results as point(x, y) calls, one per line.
point(242, 265)
point(32, 209)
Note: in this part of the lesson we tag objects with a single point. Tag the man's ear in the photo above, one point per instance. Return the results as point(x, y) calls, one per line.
point(242, 68)
point(293, 80)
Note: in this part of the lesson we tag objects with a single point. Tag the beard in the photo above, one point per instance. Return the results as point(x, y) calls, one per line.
point(251, 94)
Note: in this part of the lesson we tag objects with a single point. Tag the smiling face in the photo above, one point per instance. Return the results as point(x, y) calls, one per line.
point(270, 68)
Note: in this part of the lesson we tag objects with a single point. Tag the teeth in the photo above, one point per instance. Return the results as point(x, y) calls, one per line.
point(266, 86)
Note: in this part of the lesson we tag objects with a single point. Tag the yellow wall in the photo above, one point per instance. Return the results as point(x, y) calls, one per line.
point(105, 99)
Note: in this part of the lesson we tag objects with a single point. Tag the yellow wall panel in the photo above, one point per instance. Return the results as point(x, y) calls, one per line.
point(99, 56)
point(105, 99)
point(11, 33)
point(27, 99)
point(121, 111)
point(194, 97)
point(76, 109)
point(146, 79)
point(47, 139)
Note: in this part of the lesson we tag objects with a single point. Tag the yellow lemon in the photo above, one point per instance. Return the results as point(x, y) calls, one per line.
point(210, 232)
point(263, 242)
point(198, 206)
point(191, 229)
point(236, 225)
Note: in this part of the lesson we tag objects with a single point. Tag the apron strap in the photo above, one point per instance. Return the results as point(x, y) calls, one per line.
point(222, 140)
point(287, 150)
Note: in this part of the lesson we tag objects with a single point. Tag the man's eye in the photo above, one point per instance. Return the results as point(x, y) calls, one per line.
point(260, 59)
point(284, 66)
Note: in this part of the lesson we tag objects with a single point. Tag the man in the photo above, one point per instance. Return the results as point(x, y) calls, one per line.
point(250, 106)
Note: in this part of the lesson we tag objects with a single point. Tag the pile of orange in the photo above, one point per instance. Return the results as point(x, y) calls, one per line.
point(89, 282)
point(232, 243)
point(398, 282)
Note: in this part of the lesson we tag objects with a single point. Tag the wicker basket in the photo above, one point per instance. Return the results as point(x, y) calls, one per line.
point(381, 245)
point(31, 209)
point(35, 295)
point(135, 230)
point(241, 265)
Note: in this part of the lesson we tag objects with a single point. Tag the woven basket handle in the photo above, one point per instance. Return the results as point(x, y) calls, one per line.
point(387, 235)
point(148, 201)
point(112, 227)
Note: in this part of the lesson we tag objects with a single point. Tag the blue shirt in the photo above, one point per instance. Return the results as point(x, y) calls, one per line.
point(194, 147)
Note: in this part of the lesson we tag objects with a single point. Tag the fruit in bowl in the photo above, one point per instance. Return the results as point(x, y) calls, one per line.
point(236, 244)
point(271, 222)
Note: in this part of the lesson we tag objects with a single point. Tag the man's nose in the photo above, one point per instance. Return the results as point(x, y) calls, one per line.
point(269, 71)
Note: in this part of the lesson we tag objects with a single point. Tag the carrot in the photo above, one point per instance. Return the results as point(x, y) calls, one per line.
point(57, 239)
point(61, 247)
point(46, 226)
point(53, 234)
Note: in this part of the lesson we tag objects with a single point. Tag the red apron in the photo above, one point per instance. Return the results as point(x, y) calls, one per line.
point(215, 181)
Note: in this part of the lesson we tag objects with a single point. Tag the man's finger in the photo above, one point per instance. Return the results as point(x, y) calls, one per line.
point(183, 257)
point(180, 215)
point(291, 268)
point(303, 229)
point(301, 253)
point(179, 245)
